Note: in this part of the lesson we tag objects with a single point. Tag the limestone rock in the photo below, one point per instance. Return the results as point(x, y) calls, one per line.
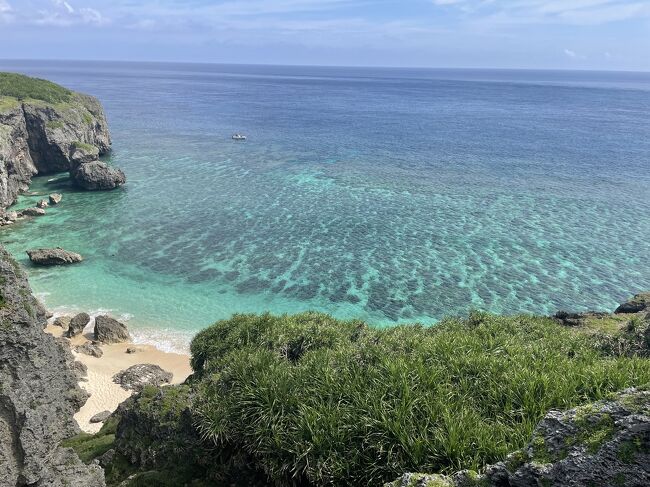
point(140, 375)
point(100, 417)
point(109, 330)
point(605, 443)
point(98, 175)
point(57, 256)
point(63, 322)
point(640, 302)
point(31, 212)
point(89, 348)
point(39, 394)
point(55, 198)
point(77, 324)
point(42, 204)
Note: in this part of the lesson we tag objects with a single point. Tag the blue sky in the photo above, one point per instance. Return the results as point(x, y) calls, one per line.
point(566, 34)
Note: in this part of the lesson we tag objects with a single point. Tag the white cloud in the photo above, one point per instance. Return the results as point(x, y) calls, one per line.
point(570, 53)
point(63, 14)
point(6, 12)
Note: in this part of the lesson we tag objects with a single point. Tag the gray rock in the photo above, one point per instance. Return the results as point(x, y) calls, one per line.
point(109, 330)
point(606, 444)
point(39, 394)
point(640, 302)
point(82, 153)
point(11, 216)
point(63, 322)
point(31, 212)
point(57, 256)
point(55, 198)
point(42, 204)
point(131, 350)
point(98, 176)
point(140, 375)
point(89, 348)
point(100, 417)
point(77, 324)
point(37, 137)
point(106, 458)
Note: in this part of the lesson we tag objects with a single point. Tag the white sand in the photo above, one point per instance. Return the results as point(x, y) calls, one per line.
point(104, 393)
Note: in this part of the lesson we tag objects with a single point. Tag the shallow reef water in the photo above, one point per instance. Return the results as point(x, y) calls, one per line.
point(387, 195)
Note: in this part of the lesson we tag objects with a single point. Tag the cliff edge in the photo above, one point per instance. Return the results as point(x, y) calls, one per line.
point(46, 128)
point(39, 393)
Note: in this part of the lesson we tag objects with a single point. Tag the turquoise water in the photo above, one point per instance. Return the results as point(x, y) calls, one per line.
point(388, 195)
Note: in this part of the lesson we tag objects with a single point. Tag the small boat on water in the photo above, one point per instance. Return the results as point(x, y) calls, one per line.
point(238, 137)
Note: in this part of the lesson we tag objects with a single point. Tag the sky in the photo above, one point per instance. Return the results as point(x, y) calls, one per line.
point(532, 34)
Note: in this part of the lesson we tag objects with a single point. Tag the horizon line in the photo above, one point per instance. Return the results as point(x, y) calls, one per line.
point(215, 63)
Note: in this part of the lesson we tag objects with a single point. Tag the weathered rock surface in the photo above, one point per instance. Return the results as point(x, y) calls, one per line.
point(55, 198)
point(31, 212)
point(98, 176)
point(38, 394)
point(77, 324)
point(42, 204)
point(140, 375)
point(89, 348)
point(63, 322)
point(57, 256)
point(109, 330)
point(606, 443)
point(100, 417)
point(640, 302)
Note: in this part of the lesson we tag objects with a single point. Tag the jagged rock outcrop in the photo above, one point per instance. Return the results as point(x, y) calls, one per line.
point(605, 443)
point(44, 129)
point(109, 330)
point(89, 348)
point(77, 324)
point(98, 176)
point(38, 393)
point(140, 375)
point(640, 302)
point(57, 256)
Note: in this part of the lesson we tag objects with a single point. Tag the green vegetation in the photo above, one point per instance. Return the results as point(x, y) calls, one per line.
point(85, 147)
point(89, 447)
point(54, 124)
point(320, 401)
point(7, 103)
point(23, 87)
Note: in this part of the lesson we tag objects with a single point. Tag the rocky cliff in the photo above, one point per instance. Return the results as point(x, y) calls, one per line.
point(39, 393)
point(42, 126)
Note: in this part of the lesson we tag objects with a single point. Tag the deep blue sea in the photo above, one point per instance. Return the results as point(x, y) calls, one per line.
point(391, 195)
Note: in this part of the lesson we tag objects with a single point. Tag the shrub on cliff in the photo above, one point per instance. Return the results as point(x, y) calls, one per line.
point(24, 87)
point(314, 400)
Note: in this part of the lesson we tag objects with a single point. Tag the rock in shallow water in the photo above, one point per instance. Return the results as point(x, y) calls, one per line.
point(640, 302)
point(140, 375)
point(55, 198)
point(57, 256)
point(98, 175)
point(31, 212)
point(109, 330)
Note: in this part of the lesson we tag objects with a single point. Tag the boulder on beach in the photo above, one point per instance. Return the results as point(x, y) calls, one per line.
point(55, 198)
point(31, 212)
point(63, 322)
point(89, 348)
point(57, 256)
point(639, 302)
point(97, 175)
point(140, 375)
point(100, 417)
point(109, 330)
point(77, 324)
point(131, 350)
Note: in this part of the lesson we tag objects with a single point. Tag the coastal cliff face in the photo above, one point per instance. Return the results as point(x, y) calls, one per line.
point(41, 128)
point(39, 393)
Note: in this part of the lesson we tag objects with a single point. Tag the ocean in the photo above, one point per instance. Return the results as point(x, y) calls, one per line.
point(389, 195)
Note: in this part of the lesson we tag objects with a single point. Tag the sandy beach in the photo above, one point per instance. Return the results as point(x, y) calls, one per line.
point(104, 393)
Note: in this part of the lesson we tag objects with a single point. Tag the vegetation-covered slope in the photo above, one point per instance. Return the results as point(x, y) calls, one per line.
point(23, 87)
point(310, 400)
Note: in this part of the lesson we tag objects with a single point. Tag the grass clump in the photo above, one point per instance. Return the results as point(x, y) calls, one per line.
point(23, 87)
point(315, 400)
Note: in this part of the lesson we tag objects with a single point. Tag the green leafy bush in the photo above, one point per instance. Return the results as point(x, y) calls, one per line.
point(314, 400)
point(24, 87)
